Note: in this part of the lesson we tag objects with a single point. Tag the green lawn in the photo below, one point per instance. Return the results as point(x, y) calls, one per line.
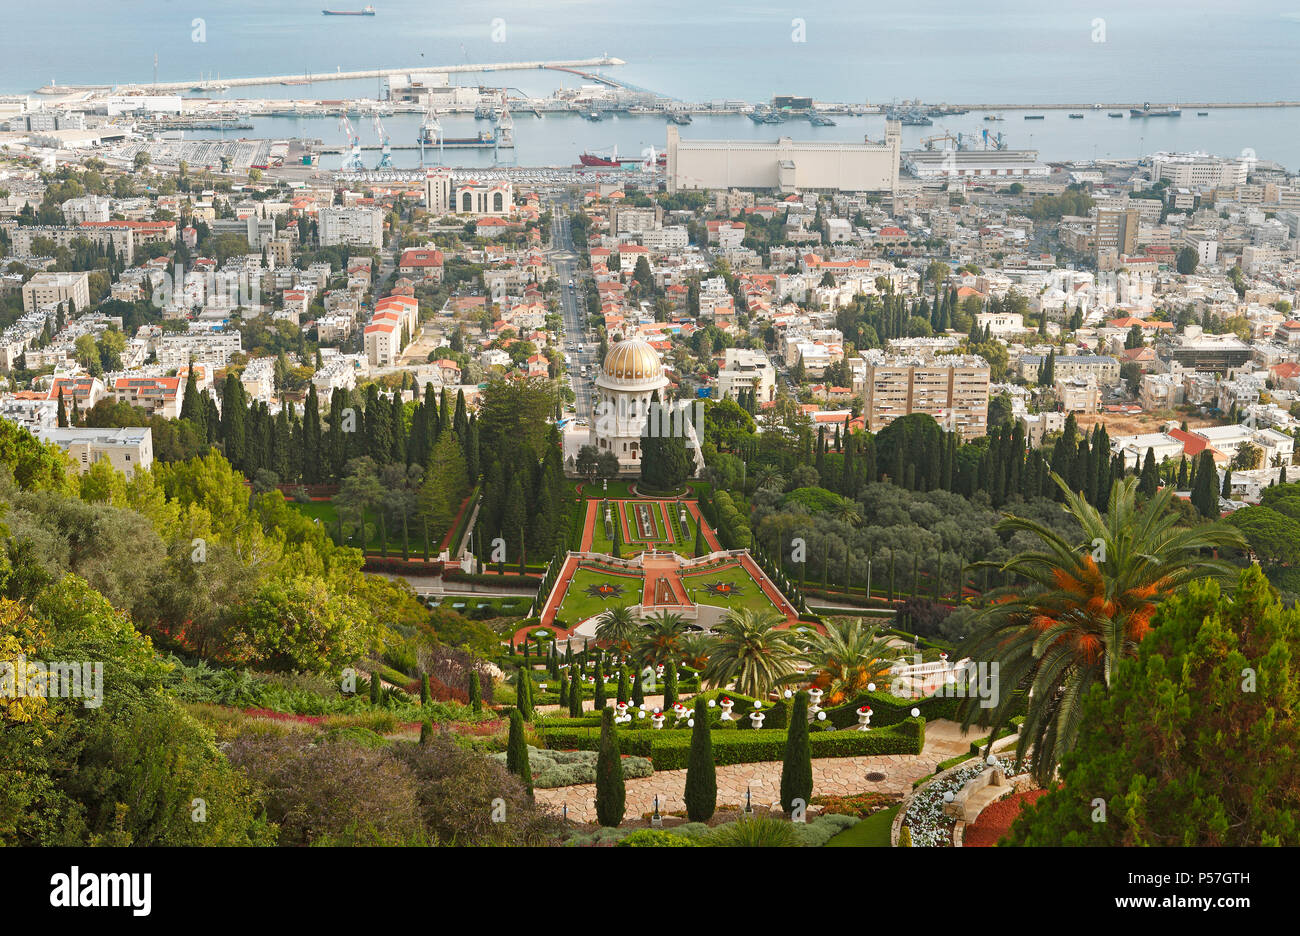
point(871, 832)
point(501, 607)
point(751, 594)
point(325, 512)
point(578, 605)
point(601, 543)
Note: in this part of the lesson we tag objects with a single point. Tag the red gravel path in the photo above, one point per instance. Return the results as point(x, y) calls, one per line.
point(995, 821)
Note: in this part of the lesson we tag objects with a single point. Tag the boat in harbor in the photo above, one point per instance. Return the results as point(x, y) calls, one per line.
point(1202, 113)
point(364, 11)
point(820, 120)
point(1035, 117)
point(680, 117)
point(611, 160)
point(486, 139)
point(1146, 110)
point(1076, 116)
point(1115, 114)
point(994, 117)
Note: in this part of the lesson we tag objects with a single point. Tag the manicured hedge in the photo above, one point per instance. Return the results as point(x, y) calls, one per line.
point(888, 709)
point(669, 749)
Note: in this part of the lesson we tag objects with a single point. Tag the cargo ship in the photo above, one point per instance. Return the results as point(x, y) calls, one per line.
point(1146, 110)
point(364, 11)
point(485, 139)
point(615, 161)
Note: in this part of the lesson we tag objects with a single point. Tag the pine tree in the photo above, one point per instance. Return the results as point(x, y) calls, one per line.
point(796, 771)
point(701, 793)
point(611, 792)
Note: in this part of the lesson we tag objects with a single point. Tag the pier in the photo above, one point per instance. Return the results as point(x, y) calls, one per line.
point(338, 75)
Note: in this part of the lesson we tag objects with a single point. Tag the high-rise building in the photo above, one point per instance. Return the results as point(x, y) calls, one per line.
point(1117, 233)
point(359, 227)
point(952, 388)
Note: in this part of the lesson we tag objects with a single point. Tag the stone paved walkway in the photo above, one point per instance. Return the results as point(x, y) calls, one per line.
point(831, 776)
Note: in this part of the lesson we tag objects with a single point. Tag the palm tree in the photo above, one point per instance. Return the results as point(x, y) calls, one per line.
point(847, 658)
point(695, 650)
point(661, 641)
point(1085, 607)
point(847, 511)
point(618, 628)
point(749, 651)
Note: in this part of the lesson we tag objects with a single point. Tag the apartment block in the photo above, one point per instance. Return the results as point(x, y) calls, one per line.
point(954, 389)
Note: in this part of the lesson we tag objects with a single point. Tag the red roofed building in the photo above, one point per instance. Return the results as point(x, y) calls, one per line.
point(155, 395)
point(422, 264)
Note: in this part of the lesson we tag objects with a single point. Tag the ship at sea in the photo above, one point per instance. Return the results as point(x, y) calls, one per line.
point(1146, 110)
point(364, 11)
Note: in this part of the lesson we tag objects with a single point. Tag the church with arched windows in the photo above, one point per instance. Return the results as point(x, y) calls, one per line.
point(445, 193)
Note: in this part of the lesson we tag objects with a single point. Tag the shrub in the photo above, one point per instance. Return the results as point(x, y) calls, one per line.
point(566, 768)
point(336, 791)
point(753, 833)
point(456, 788)
point(655, 838)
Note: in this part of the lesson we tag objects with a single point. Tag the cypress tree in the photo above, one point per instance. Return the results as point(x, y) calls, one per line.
point(575, 692)
point(1149, 481)
point(426, 731)
point(611, 792)
point(564, 690)
point(523, 694)
point(374, 688)
point(600, 682)
point(701, 549)
point(475, 691)
point(622, 695)
point(796, 771)
point(424, 689)
point(670, 684)
point(701, 775)
point(517, 752)
point(638, 691)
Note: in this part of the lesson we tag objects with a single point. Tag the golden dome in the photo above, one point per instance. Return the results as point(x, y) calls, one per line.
point(632, 359)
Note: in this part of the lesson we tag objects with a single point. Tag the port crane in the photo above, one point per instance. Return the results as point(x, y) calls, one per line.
point(353, 161)
point(386, 150)
point(929, 141)
point(430, 129)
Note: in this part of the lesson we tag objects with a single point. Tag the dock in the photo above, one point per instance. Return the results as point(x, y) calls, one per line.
point(339, 75)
